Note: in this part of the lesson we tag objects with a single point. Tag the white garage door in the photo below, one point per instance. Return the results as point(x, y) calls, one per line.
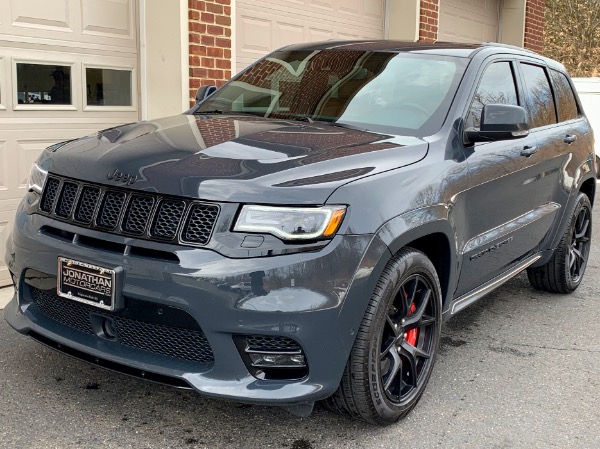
point(67, 69)
point(265, 25)
point(469, 20)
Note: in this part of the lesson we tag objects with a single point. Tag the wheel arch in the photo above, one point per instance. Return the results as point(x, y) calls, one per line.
point(589, 188)
point(436, 239)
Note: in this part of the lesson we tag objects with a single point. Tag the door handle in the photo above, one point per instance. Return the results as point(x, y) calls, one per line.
point(570, 138)
point(528, 151)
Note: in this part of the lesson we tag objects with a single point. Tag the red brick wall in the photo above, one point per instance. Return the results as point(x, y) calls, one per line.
point(428, 25)
point(210, 43)
point(534, 25)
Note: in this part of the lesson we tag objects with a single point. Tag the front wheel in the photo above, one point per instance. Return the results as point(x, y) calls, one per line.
point(564, 271)
point(397, 342)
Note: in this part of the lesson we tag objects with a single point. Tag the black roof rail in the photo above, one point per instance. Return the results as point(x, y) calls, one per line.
point(513, 47)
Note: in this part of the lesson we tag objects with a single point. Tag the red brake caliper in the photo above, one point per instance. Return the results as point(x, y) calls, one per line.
point(412, 335)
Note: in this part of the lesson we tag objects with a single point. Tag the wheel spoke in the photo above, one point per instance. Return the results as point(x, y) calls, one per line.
point(582, 229)
point(427, 321)
point(413, 352)
point(396, 368)
point(394, 326)
point(416, 319)
point(409, 352)
point(387, 350)
point(413, 295)
point(580, 261)
point(572, 259)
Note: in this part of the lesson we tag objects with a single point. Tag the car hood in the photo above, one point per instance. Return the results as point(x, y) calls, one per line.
point(233, 158)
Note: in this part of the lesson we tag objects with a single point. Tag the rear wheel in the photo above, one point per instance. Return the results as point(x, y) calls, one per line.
point(395, 348)
point(564, 271)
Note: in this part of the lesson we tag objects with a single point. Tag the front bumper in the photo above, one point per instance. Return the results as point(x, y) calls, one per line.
point(316, 298)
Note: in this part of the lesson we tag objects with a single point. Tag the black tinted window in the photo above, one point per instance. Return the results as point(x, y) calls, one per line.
point(497, 86)
point(565, 99)
point(540, 104)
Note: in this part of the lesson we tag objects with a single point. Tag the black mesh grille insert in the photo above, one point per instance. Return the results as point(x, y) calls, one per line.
point(138, 213)
point(126, 212)
point(111, 208)
point(50, 193)
point(181, 343)
point(167, 219)
point(87, 204)
point(271, 343)
point(200, 223)
point(66, 312)
point(170, 341)
point(67, 199)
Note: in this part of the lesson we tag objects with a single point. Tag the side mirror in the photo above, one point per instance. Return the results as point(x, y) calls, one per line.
point(204, 92)
point(499, 122)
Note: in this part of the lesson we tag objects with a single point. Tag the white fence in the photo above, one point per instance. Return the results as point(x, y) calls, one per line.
point(589, 93)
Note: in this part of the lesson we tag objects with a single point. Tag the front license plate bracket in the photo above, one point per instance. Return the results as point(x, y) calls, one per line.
point(89, 283)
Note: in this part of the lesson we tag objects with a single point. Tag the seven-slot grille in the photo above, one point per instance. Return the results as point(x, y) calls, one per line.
point(120, 211)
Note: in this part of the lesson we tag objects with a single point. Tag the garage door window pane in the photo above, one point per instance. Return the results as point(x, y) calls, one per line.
point(43, 84)
point(108, 87)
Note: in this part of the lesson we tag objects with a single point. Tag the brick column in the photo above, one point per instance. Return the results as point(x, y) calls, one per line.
point(428, 26)
point(534, 25)
point(210, 43)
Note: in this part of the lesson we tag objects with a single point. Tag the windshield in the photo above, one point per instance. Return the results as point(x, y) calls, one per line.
point(380, 91)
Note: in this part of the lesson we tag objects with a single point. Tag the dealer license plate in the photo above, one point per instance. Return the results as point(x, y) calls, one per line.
point(86, 283)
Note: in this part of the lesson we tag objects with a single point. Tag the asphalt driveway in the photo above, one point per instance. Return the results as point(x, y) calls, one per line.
point(519, 369)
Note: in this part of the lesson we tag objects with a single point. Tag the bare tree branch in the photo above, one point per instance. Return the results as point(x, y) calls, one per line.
point(572, 35)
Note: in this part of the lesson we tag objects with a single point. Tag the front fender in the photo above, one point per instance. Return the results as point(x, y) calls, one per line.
point(412, 227)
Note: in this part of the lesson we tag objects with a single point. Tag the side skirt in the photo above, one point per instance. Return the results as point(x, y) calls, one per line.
point(474, 295)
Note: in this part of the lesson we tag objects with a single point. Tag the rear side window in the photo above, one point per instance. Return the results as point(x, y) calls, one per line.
point(539, 104)
point(565, 99)
point(497, 86)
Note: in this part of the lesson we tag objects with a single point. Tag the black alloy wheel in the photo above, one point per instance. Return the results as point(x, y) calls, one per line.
point(579, 247)
point(564, 271)
point(407, 339)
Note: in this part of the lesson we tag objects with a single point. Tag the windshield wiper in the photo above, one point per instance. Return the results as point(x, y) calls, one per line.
point(214, 111)
point(304, 118)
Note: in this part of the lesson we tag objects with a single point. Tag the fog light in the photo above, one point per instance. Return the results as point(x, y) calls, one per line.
point(280, 360)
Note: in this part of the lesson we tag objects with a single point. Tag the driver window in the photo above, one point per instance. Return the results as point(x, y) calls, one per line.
point(497, 86)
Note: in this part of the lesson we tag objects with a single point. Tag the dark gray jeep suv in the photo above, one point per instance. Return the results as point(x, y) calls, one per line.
point(302, 233)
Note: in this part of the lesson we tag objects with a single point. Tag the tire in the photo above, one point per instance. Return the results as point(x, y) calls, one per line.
point(564, 271)
point(396, 345)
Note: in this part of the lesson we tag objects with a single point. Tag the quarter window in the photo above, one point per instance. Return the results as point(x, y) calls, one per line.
point(540, 104)
point(497, 86)
point(565, 99)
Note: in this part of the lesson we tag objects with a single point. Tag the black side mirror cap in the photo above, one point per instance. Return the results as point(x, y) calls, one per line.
point(204, 92)
point(499, 122)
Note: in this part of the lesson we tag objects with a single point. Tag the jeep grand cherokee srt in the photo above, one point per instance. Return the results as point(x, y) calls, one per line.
point(301, 233)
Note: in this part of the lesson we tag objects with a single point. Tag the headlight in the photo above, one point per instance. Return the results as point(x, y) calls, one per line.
point(37, 178)
point(291, 223)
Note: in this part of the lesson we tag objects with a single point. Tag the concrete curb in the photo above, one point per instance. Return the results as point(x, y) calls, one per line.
point(6, 295)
